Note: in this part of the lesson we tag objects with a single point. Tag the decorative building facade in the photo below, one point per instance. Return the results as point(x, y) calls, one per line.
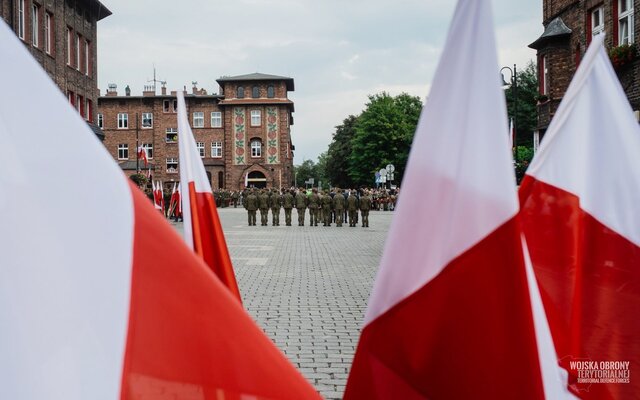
point(569, 26)
point(243, 134)
point(62, 36)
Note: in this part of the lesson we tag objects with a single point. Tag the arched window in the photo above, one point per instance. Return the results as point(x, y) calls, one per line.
point(271, 92)
point(255, 92)
point(240, 92)
point(256, 148)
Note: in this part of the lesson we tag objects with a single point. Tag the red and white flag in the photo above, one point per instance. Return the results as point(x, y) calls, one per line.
point(202, 228)
point(450, 315)
point(99, 297)
point(580, 205)
point(142, 153)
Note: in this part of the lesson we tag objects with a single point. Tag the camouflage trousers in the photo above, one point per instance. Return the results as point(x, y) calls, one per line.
point(287, 216)
point(264, 216)
point(365, 218)
point(313, 217)
point(275, 219)
point(300, 216)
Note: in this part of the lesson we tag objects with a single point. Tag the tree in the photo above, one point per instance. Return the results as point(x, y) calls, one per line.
point(337, 161)
point(304, 172)
point(383, 135)
point(321, 169)
point(526, 117)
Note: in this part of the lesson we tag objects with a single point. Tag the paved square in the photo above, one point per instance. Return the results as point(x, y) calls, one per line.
point(308, 287)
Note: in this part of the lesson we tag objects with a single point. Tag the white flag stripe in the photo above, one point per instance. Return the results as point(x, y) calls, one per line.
point(475, 203)
point(588, 171)
point(68, 341)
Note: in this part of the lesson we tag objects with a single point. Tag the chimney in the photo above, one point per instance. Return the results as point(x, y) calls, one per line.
point(194, 88)
point(149, 90)
point(164, 90)
point(112, 89)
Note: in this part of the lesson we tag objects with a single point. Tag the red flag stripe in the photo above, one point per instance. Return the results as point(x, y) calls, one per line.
point(457, 325)
point(589, 284)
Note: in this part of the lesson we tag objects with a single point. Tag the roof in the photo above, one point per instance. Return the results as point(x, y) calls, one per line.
point(555, 30)
point(96, 129)
point(258, 77)
point(98, 9)
point(163, 96)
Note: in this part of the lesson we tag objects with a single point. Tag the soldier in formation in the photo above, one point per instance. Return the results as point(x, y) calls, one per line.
point(314, 203)
point(276, 203)
point(251, 205)
point(287, 203)
point(302, 201)
point(338, 206)
point(263, 204)
point(352, 208)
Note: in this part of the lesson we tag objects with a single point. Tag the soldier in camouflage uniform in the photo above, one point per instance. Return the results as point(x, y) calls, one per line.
point(276, 203)
point(352, 207)
point(327, 204)
point(301, 203)
point(365, 206)
point(338, 206)
point(287, 203)
point(314, 204)
point(251, 205)
point(263, 204)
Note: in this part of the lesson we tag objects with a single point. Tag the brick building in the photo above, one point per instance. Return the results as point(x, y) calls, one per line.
point(569, 26)
point(62, 36)
point(246, 129)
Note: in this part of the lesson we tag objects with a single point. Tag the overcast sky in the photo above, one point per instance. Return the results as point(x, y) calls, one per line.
point(337, 51)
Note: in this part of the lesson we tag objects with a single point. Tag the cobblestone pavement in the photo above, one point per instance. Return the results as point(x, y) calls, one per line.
point(308, 288)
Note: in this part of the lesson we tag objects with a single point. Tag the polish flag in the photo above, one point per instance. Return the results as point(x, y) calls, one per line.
point(452, 314)
point(580, 209)
point(99, 297)
point(172, 200)
point(142, 153)
point(202, 228)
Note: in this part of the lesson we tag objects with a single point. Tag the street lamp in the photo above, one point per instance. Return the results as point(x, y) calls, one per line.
point(514, 88)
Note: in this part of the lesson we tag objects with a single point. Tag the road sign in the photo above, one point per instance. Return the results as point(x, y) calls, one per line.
point(390, 168)
point(383, 172)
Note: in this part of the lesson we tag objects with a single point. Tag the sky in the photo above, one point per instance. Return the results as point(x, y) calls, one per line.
point(337, 51)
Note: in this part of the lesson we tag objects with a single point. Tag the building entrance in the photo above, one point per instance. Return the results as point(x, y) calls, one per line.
point(257, 179)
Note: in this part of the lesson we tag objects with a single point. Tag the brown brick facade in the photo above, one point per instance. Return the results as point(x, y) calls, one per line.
point(78, 81)
point(563, 51)
point(274, 164)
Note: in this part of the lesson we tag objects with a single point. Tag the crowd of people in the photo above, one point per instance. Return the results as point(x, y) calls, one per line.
point(323, 207)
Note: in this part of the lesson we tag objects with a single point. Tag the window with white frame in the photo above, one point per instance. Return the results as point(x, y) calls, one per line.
point(78, 41)
point(597, 20)
point(149, 148)
point(216, 119)
point(625, 22)
point(166, 104)
point(21, 19)
point(123, 121)
point(545, 76)
point(123, 151)
point(48, 32)
point(69, 45)
point(35, 12)
point(256, 117)
point(147, 120)
point(172, 165)
point(100, 121)
point(216, 149)
point(198, 119)
point(87, 57)
point(171, 135)
point(256, 148)
point(200, 147)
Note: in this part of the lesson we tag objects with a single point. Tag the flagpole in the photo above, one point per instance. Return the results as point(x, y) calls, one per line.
point(137, 148)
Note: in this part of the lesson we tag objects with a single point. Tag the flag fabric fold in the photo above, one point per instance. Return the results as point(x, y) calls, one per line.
point(142, 153)
point(202, 228)
point(450, 315)
point(99, 296)
point(579, 207)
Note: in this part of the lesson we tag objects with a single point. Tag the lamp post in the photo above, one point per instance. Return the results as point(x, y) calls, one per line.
point(514, 88)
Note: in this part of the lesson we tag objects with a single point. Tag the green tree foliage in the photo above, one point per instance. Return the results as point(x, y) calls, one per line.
point(383, 135)
point(304, 172)
point(526, 116)
point(337, 161)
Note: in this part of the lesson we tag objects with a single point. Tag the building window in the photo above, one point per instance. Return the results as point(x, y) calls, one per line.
point(87, 57)
point(597, 21)
point(256, 148)
point(271, 93)
point(165, 106)
point(35, 12)
point(147, 120)
point(255, 118)
point(255, 92)
point(77, 49)
point(216, 119)
point(69, 45)
point(72, 98)
point(172, 165)
point(543, 76)
point(100, 121)
point(123, 121)
point(79, 104)
point(48, 32)
point(200, 147)
point(625, 22)
point(123, 151)
point(149, 148)
point(21, 19)
point(240, 92)
point(171, 135)
point(198, 119)
point(216, 149)
point(89, 110)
